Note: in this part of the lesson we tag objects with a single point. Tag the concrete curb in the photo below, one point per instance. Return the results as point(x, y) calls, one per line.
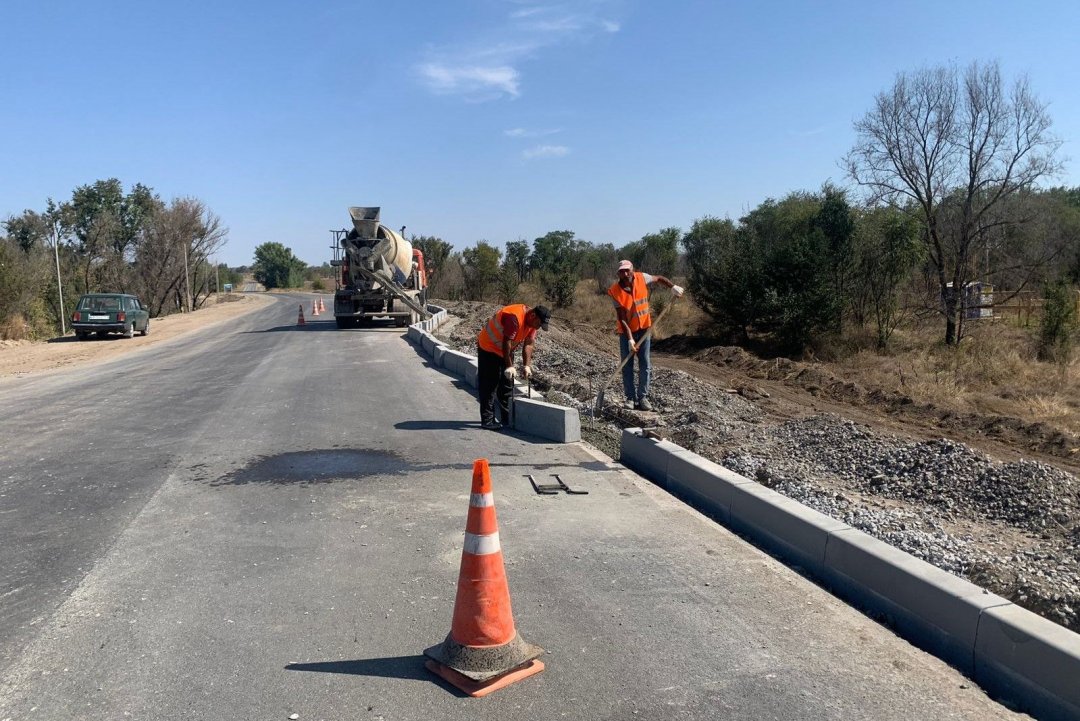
point(530, 415)
point(1013, 653)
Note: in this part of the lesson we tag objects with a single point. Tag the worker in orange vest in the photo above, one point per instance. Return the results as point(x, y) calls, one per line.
point(510, 327)
point(631, 296)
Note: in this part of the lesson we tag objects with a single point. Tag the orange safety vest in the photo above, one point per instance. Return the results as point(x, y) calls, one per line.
point(491, 337)
point(635, 303)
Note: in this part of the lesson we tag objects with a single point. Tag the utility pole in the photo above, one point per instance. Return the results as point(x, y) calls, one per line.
point(54, 231)
point(217, 278)
point(187, 281)
point(59, 284)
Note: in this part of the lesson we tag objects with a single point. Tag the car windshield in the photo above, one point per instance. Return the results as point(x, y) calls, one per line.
point(99, 304)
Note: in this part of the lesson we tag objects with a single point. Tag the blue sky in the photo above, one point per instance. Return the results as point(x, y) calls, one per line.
point(487, 120)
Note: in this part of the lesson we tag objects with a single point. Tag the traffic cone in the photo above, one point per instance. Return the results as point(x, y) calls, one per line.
point(300, 318)
point(314, 308)
point(483, 651)
point(322, 306)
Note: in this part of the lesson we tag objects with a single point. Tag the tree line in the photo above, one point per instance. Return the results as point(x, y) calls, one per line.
point(948, 169)
point(949, 173)
point(106, 240)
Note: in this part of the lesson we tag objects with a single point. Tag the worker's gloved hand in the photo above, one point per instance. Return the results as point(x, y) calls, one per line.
point(633, 347)
point(527, 372)
point(677, 291)
point(510, 373)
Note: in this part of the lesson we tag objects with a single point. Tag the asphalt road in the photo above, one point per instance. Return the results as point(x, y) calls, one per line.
point(260, 520)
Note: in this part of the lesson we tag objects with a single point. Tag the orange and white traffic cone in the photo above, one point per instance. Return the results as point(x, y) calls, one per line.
point(322, 306)
point(314, 308)
point(300, 318)
point(483, 651)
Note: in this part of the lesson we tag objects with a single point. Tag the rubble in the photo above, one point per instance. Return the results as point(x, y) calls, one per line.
point(1011, 527)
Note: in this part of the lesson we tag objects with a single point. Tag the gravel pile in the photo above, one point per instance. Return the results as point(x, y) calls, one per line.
point(1013, 528)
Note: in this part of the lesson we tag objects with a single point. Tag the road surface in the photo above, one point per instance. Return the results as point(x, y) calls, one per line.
point(259, 520)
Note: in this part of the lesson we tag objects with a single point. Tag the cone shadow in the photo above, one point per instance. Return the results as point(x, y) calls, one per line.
point(403, 667)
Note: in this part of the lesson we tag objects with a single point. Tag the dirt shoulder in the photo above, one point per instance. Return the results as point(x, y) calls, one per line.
point(22, 358)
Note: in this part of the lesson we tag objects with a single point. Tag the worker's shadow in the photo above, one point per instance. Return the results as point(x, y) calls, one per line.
point(447, 425)
point(409, 668)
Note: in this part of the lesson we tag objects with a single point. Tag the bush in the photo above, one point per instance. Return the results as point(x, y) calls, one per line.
point(1058, 325)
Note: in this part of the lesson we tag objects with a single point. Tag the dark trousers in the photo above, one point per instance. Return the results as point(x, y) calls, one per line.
point(491, 385)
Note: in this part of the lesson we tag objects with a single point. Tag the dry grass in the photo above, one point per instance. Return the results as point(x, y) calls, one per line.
point(596, 309)
point(992, 371)
point(14, 328)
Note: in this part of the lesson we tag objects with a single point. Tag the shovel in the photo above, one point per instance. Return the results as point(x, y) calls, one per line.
point(648, 333)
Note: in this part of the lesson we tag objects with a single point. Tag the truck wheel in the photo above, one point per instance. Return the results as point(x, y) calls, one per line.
point(343, 322)
point(146, 328)
point(129, 332)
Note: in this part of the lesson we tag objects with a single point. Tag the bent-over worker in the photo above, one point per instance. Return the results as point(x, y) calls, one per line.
point(510, 327)
point(631, 296)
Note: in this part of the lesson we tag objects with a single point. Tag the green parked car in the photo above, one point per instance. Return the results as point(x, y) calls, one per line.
point(105, 313)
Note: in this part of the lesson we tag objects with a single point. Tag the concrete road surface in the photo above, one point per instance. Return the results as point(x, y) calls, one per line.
point(261, 520)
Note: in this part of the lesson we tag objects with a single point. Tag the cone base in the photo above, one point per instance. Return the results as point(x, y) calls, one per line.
point(477, 689)
point(480, 663)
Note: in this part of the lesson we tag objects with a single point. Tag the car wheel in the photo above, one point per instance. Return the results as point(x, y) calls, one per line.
point(146, 328)
point(79, 335)
point(129, 332)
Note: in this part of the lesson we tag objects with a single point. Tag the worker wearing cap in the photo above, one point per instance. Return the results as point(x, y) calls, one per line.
point(510, 327)
point(631, 296)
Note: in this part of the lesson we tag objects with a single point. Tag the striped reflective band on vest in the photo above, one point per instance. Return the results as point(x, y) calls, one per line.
point(482, 545)
point(635, 303)
point(491, 337)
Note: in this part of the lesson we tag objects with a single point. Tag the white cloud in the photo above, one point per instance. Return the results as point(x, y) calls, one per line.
point(471, 80)
point(527, 133)
point(485, 66)
point(546, 151)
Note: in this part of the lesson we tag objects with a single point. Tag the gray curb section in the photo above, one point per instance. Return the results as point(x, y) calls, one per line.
point(530, 415)
point(1016, 655)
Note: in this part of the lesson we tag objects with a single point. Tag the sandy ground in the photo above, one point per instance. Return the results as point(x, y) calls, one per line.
point(21, 358)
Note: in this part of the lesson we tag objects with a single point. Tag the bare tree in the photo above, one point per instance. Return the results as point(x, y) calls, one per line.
point(182, 233)
point(959, 147)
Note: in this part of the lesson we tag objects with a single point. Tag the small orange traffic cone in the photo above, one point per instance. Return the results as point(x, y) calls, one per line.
point(483, 651)
point(322, 306)
point(300, 318)
point(314, 308)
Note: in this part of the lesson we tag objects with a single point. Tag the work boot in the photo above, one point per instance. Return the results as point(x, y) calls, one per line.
point(492, 425)
point(643, 405)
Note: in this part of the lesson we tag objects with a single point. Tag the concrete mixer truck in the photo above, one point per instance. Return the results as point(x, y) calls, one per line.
point(382, 275)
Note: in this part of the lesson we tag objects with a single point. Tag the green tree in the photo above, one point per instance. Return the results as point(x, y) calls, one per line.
point(780, 271)
point(231, 276)
point(599, 263)
point(506, 284)
point(481, 268)
point(107, 226)
point(725, 274)
point(887, 249)
point(517, 259)
point(958, 146)
point(655, 253)
point(556, 259)
point(436, 251)
point(276, 266)
point(1058, 325)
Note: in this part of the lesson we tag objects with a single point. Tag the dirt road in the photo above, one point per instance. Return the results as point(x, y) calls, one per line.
point(20, 358)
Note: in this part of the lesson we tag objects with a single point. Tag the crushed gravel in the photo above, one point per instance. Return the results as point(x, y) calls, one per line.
point(1011, 527)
